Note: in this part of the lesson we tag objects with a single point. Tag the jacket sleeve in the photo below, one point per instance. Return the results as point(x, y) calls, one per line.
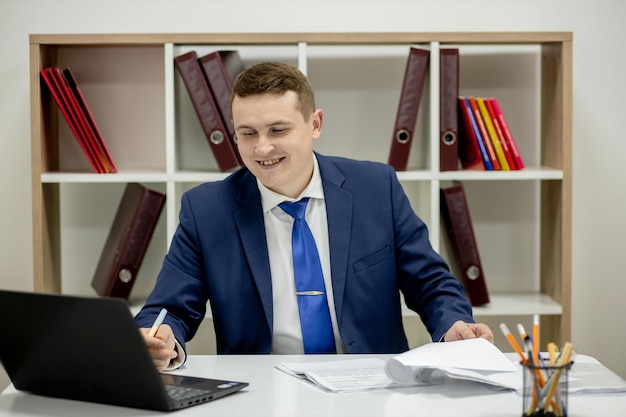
point(428, 286)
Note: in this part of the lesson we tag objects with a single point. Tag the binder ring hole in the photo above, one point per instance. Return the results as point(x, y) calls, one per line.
point(449, 138)
point(216, 137)
point(125, 275)
point(403, 136)
point(473, 272)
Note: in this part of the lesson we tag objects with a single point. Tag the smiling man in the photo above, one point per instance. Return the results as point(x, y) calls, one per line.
point(299, 252)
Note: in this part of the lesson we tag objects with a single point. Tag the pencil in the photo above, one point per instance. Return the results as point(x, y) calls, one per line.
point(509, 336)
point(158, 322)
point(536, 337)
point(552, 352)
point(554, 382)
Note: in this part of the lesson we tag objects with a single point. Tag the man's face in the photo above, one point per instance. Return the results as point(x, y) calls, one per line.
point(275, 140)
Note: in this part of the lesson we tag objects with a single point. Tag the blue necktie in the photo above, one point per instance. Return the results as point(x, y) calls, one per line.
point(317, 330)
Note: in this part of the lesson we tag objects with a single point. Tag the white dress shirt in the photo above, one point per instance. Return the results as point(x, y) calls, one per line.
point(287, 334)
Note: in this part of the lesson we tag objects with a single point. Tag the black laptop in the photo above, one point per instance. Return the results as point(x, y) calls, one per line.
point(90, 349)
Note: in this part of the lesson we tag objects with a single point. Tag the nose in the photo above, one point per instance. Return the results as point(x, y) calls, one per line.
point(264, 145)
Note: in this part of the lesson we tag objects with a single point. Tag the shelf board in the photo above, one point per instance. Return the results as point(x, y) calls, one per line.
point(511, 305)
point(529, 173)
point(124, 176)
point(500, 305)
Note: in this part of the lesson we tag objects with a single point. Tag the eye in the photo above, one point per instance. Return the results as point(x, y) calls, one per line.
point(246, 133)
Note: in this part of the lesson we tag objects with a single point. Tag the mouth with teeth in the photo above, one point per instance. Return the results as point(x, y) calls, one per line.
point(270, 162)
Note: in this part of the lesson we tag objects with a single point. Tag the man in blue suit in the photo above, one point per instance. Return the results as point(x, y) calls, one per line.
point(233, 244)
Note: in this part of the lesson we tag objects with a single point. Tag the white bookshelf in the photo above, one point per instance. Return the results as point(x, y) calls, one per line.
point(522, 219)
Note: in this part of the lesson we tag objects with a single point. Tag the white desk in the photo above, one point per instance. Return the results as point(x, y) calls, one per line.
point(274, 393)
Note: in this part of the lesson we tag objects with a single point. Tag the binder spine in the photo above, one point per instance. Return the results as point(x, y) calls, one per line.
point(220, 69)
point(456, 216)
point(448, 114)
point(127, 242)
point(206, 109)
point(406, 117)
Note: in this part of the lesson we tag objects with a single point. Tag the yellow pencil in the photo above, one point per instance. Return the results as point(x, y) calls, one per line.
point(509, 336)
point(536, 337)
point(554, 382)
point(552, 349)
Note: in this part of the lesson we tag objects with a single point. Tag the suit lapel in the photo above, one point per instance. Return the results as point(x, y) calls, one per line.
point(339, 214)
point(251, 226)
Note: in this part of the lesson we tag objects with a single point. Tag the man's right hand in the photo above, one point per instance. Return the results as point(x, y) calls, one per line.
point(161, 346)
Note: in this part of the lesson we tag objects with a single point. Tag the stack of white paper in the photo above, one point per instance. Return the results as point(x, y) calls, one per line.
point(470, 359)
point(473, 360)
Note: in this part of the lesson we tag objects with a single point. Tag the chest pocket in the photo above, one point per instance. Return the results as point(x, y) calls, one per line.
point(371, 261)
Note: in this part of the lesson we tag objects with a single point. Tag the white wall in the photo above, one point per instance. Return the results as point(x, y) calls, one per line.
point(599, 229)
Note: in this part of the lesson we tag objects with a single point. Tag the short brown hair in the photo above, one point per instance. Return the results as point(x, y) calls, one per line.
point(275, 78)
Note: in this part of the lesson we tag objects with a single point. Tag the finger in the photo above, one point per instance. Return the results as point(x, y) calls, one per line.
point(152, 341)
point(459, 331)
point(482, 330)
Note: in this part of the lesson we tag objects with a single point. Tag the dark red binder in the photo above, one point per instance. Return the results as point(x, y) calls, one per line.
point(220, 70)
point(204, 104)
point(448, 114)
point(406, 117)
point(127, 242)
point(456, 215)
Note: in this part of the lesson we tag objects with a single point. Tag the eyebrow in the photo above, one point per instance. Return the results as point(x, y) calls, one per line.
point(276, 123)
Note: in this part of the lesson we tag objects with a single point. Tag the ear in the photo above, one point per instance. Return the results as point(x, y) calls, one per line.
point(316, 119)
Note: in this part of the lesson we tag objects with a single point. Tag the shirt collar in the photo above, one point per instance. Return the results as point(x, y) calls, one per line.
point(270, 199)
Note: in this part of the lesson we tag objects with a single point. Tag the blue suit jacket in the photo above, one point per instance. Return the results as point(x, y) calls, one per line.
point(378, 247)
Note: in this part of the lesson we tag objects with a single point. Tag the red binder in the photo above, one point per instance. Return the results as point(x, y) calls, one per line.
point(456, 216)
point(59, 92)
point(448, 115)
point(89, 121)
point(406, 117)
point(204, 104)
point(220, 70)
point(508, 136)
point(128, 239)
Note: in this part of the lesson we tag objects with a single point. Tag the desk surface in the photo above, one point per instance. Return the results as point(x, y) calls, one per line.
point(274, 393)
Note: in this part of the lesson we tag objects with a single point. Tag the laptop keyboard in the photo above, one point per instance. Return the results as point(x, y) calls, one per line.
point(184, 393)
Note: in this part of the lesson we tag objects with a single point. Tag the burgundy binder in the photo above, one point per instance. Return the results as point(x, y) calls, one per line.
point(406, 117)
point(456, 216)
point(448, 115)
point(204, 104)
point(128, 239)
point(220, 70)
